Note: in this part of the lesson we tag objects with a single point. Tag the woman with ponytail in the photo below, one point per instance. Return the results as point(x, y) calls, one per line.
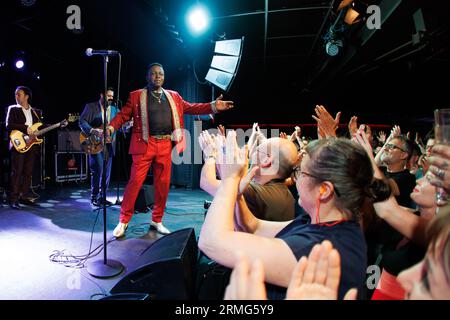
point(333, 180)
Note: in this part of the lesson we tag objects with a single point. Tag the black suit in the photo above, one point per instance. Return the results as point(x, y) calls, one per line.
point(21, 163)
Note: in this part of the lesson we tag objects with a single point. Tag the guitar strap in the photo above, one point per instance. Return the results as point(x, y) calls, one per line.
point(39, 119)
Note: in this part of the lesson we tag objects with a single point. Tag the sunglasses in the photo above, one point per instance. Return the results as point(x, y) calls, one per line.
point(297, 173)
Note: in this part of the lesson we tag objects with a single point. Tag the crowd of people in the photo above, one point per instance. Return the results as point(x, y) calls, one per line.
point(369, 203)
point(294, 218)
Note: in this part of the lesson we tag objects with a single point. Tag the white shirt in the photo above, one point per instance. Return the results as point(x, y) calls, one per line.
point(108, 114)
point(28, 116)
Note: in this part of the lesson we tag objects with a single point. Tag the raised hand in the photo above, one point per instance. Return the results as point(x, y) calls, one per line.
point(360, 137)
point(253, 140)
point(326, 124)
point(440, 167)
point(247, 175)
point(381, 137)
point(353, 126)
point(296, 135)
point(246, 281)
point(234, 158)
point(221, 129)
point(395, 132)
point(207, 144)
point(222, 105)
point(317, 277)
point(283, 135)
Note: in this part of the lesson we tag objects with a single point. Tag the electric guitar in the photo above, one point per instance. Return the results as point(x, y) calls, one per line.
point(93, 144)
point(23, 142)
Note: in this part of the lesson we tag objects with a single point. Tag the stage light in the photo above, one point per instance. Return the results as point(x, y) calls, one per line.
point(225, 63)
point(332, 47)
point(354, 11)
point(198, 19)
point(20, 64)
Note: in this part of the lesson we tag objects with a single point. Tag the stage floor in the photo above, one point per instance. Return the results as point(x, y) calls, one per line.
point(64, 220)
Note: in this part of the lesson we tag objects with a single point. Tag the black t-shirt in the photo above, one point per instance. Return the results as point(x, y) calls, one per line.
point(346, 237)
point(405, 182)
point(388, 237)
point(271, 201)
point(159, 115)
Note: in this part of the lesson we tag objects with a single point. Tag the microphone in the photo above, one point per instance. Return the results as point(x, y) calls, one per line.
point(91, 52)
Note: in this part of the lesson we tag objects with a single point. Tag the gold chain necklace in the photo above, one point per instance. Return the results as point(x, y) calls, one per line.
point(156, 96)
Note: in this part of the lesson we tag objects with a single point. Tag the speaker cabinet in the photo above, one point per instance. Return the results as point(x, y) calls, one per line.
point(166, 270)
point(145, 198)
point(69, 140)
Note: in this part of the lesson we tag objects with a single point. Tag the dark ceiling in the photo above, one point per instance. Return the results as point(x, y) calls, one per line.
point(379, 74)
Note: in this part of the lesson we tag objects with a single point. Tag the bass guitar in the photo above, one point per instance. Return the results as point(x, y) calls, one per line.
point(23, 142)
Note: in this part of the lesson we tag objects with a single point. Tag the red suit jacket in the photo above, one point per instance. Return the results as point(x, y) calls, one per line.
point(136, 107)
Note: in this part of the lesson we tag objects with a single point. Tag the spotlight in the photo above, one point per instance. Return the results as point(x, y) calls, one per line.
point(354, 11)
point(198, 19)
point(332, 47)
point(20, 64)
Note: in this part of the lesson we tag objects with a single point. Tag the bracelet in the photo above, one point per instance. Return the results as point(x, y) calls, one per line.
point(210, 157)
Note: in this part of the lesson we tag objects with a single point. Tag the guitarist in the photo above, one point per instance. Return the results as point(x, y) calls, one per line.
point(22, 116)
point(91, 123)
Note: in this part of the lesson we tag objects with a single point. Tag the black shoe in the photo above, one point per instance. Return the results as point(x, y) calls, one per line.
point(95, 202)
point(107, 202)
point(15, 205)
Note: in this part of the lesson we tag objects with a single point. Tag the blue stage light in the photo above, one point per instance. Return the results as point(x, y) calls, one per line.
point(20, 64)
point(198, 19)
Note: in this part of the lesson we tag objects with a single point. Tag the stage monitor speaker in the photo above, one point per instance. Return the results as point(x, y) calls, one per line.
point(166, 270)
point(37, 177)
point(145, 198)
point(69, 140)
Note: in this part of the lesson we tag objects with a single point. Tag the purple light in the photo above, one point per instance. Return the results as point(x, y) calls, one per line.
point(20, 64)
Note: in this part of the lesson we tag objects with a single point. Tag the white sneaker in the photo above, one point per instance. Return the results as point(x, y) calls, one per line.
point(119, 231)
point(159, 227)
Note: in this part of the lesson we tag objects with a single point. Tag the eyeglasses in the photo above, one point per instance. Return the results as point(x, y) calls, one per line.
point(297, 173)
point(393, 146)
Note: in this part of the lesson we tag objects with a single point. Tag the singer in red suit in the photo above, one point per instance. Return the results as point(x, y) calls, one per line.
point(158, 124)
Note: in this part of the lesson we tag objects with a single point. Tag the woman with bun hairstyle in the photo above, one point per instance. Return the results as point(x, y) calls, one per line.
point(333, 180)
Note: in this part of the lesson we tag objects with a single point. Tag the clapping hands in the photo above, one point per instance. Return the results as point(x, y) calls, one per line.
point(315, 277)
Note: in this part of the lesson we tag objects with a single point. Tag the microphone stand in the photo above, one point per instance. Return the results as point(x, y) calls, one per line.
point(119, 138)
point(104, 268)
point(119, 156)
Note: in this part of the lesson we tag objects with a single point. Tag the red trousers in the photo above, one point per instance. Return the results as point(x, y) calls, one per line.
point(159, 154)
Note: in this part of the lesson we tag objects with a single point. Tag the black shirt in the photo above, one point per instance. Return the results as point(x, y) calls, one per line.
point(159, 115)
point(388, 237)
point(405, 182)
point(346, 237)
